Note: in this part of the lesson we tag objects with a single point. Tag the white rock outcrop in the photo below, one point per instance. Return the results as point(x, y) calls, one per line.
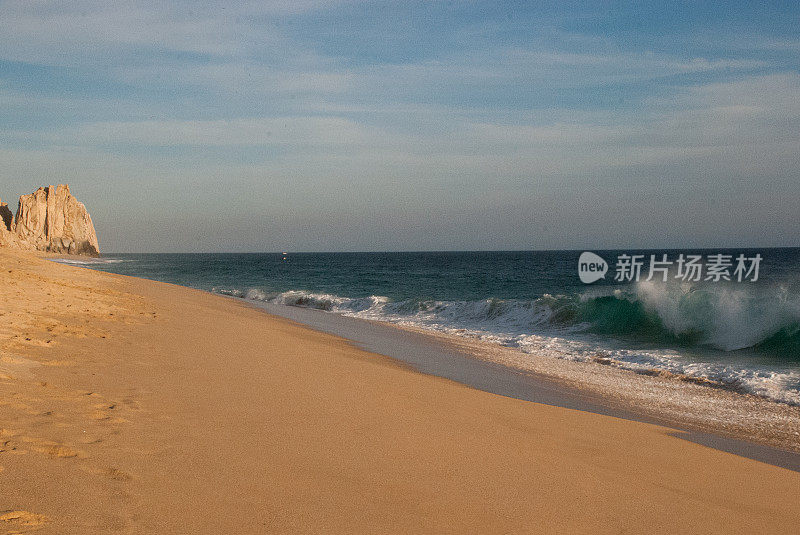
point(49, 219)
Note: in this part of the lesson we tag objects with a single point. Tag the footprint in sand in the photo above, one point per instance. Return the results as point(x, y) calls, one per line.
point(56, 450)
point(112, 473)
point(105, 411)
point(12, 442)
point(8, 446)
point(117, 475)
point(131, 404)
point(22, 518)
point(100, 415)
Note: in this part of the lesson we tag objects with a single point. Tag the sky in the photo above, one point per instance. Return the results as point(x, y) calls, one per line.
point(436, 125)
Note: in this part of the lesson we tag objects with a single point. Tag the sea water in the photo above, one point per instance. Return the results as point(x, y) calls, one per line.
point(740, 335)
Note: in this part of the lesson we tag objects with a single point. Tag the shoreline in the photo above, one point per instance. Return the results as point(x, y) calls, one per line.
point(139, 406)
point(684, 331)
point(665, 398)
point(685, 402)
point(579, 385)
point(691, 405)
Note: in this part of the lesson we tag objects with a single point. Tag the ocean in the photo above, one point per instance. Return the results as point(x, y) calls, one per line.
point(742, 335)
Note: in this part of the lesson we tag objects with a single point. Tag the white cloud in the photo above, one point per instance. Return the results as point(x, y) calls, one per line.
point(271, 131)
point(714, 122)
point(89, 32)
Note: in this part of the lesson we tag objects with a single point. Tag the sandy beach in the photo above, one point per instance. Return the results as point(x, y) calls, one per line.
point(131, 406)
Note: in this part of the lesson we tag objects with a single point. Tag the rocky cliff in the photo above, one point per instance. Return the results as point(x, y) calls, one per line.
point(49, 219)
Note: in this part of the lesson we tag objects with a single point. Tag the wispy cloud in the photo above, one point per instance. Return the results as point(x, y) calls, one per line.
point(706, 121)
point(86, 32)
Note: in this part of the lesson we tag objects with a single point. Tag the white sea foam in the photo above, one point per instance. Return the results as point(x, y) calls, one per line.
point(88, 261)
point(729, 317)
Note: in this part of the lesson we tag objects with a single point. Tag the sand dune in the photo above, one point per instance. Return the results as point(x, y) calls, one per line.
point(134, 406)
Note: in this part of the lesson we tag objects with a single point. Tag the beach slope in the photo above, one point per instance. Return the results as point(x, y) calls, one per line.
point(134, 406)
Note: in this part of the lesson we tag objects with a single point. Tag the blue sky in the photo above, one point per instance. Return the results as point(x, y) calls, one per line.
point(335, 125)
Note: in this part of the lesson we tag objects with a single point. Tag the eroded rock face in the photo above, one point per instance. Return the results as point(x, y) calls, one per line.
point(49, 219)
point(6, 221)
point(6, 217)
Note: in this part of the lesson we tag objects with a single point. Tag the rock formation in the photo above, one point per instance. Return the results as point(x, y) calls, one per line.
point(6, 221)
point(49, 219)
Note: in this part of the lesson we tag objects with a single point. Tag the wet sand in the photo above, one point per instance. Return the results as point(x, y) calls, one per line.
point(746, 425)
point(134, 406)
